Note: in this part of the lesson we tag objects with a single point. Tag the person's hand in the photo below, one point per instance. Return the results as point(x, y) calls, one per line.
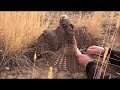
point(95, 50)
point(82, 58)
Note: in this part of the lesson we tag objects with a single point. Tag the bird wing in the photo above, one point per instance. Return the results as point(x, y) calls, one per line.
point(84, 39)
point(47, 43)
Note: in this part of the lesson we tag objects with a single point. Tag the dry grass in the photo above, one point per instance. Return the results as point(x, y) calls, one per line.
point(50, 73)
point(18, 30)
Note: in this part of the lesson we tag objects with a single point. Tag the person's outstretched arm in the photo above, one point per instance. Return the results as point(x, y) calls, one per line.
point(114, 54)
point(90, 66)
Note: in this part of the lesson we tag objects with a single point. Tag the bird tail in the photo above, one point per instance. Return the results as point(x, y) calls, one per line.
point(65, 60)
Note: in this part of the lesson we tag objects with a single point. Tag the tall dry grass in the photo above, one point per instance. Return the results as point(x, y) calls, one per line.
point(20, 29)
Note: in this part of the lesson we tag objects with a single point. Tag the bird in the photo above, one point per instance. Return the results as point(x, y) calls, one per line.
point(64, 59)
point(58, 46)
